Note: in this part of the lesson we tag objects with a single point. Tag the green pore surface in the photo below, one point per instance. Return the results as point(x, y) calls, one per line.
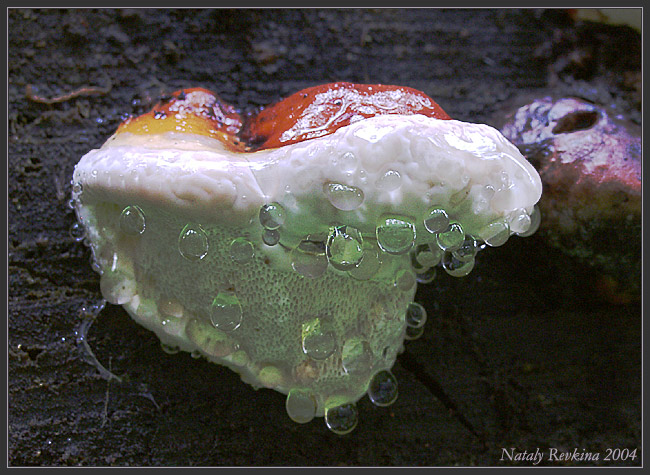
point(220, 290)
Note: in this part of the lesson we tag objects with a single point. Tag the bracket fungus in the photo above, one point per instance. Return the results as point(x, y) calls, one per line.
point(589, 159)
point(287, 245)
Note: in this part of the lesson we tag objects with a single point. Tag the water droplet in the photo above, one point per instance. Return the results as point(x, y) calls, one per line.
point(382, 390)
point(356, 356)
point(94, 265)
point(520, 222)
point(425, 256)
point(169, 349)
point(426, 276)
point(77, 188)
point(416, 315)
point(196, 354)
point(211, 341)
point(370, 263)
point(412, 333)
point(344, 248)
point(240, 358)
point(436, 220)
point(272, 216)
point(132, 221)
point(241, 250)
point(343, 197)
point(347, 162)
point(467, 250)
point(172, 326)
point(271, 237)
point(117, 287)
point(455, 267)
point(389, 181)
point(342, 419)
point(308, 258)
point(193, 242)
point(270, 376)
point(77, 232)
point(318, 341)
point(452, 238)
point(301, 405)
point(395, 235)
point(226, 312)
point(535, 220)
point(404, 280)
point(170, 308)
point(496, 233)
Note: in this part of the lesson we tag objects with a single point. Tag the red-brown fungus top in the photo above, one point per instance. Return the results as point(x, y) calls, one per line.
point(321, 110)
point(310, 113)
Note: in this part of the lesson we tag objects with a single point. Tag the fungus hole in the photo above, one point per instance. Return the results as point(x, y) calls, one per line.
point(579, 120)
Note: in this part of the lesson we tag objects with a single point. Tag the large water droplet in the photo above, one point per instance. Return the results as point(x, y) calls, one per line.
point(395, 235)
point(193, 242)
point(301, 405)
point(455, 267)
point(452, 238)
point(344, 248)
point(272, 215)
point(389, 181)
point(132, 221)
point(496, 233)
point(318, 341)
point(308, 258)
point(342, 419)
point(241, 250)
point(226, 312)
point(117, 287)
point(343, 197)
point(436, 220)
point(382, 390)
point(356, 355)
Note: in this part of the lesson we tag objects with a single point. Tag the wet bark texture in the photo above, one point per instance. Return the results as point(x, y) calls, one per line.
point(521, 353)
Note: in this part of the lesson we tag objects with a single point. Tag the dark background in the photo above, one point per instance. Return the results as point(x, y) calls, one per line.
point(521, 353)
